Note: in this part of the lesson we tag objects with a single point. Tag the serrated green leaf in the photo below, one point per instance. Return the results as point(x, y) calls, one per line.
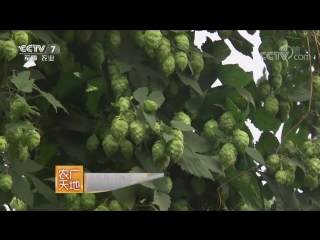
point(245, 93)
point(189, 81)
point(255, 155)
point(267, 142)
point(50, 179)
point(237, 113)
point(300, 95)
point(4, 103)
point(196, 143)
point(233, 75)
point(47, 152)
point(240, 43)
point(299, 162)
point(167, 136)
point(264, 122)
point(193, 104)
point(26, 167)
point(43, 189)
point(22, 82)
point(19, 124)
point(20, 189)
point(211, 164)
point(42, 35)
point(162, 200)
point(181, 126)
point(194, 166)
point(54, 102)
point(157, 97)
point(219, 133)
point(146, 161)
point(219, 49)
point(124, 67)
point(93, 98)
point(141, 94)
point(150, 118)
point(148, 184)
point(127, 196)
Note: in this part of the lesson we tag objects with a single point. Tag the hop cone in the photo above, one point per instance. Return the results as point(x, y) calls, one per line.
point(92, 143)
point(240, 140)
point(227, 123)
point(164, 50)
point(159, 150)
point(182, 40)
point(21, 38)
point(119, 129)
point(126, 149)
point(152, 39)
point(181, 60)
point(271, 106)
point(96, 53)
point(228, 155)
point(9, 50)
point(174, 149)
point(182, 117)
point(83, 36)
point(110, 146)
point(112, 40)
point(119, 84)
point(168, 65)
point(137, 132)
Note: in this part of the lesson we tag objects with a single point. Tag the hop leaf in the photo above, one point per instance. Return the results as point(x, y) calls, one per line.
point(198, 185)
point(5, 182)
point(126, 149)
point(68, 35)
point(224, 34)
point(110, 146)
point(92, 143)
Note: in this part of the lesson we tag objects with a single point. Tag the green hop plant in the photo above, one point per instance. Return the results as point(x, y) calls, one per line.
point(119, 84)
point(174, 149)
point(290, 177)
point(178, 134)
point(227, 122)
point(168, 65)
point(182, 117)
point(276, 81)
point(181, 60)
point(287, 164)
point(5, 182)
point(75, 205)
point(138, 38)
point(172, 89)
point(137, 131)
point(182, 40)
point(126, 149)
point(70, 198)
point(316, 86)
point(152, 39)
point(113, 68)
point(101, 208)
point(209, 130)
point(83, 36)
point(284, 111)
point(169, 185)
point(68, 35)
point(275, 67)
point(246, 207)
point(246, 177)
point(87, 201)
point(271, 106)
point(197, 63)
point(150, 53)
point(224, 34)
point(281, 44)
point(288, 147)
point(241, 140)
point(116, 206)
point(310, 181)
point(228, 155)
point(112, 40)
point(306, 145)
point(162, 163)
point(128, 116)
point(19, 109)
point(264, 89)
point(110, 145)
point(281, 177)
point(198, 185)
point(9, 50)
point(150, 106)
point(164, 50)
point(92, 143)
point(67, 62)
point(314, 166)
point(156, 130)
point(119, 129)
point(21, 38)
point(3, 144)
point(123, 103)
point(180, 205)
point(96, 53)
point(32, 139)
point(18, 204)
point(265, 47)
point(159, 150)
point(273, 164)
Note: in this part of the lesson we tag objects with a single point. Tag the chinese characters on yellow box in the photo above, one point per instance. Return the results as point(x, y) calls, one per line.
point(69, 179)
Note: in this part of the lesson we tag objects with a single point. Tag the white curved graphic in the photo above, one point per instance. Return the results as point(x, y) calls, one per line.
point(287, 50)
